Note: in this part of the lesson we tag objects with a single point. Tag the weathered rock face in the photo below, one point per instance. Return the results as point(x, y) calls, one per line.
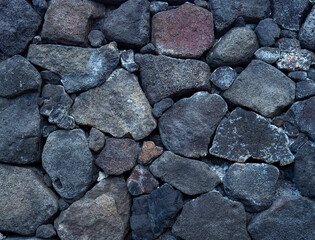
point(268, 54)
point(245, 134)
point(161, 107)
point(25, 201)
point(223, 77)
point(118, 107)
point(18, 25)
point(79, 68)
point(211, 216)
point(306, 34)
point(163, 77)
point(69, 163)
point(149, 152)
point(20, 129)
point(189, 176)
point(267, 31)
point(296, 59)
point(96, 140)
point(185, 32)
point(262, 88)
point(187, 126)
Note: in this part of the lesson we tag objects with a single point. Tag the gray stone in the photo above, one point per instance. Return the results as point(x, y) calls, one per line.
point(262, 88)
point(79, 68)
point(290, 217)
point(40, 6)
point(306, 34)
point(186, 128)
point(163, 77)
point(96, 38)
point(18, 76)
point(20, 129)
point(47, 129)
point(311, 74)
point(211, 216)
point(202, 3)
point(111, 2)
point(288, 44)
point(69, 163)
point(46, 231)
point(253, 184)
point(50, 77)
point(96, 140)
point(149, 152)
point(187, 175)
point(253, 10)
point(245, 134)
point(236, 47)
point(298, 142)
point(161, 107)
point(127, 59)
point(267, 31)
point(118, 107)
point(168, 235)
point(148, 49)
point(305, 89)
point(158, 6)
point(268, 54)
point(223, 77)
point(129, 24)
point(298, 75)
point(18, 23)
point(62, 204)
point(25, 201)
point(296, 59)
point(288, 34)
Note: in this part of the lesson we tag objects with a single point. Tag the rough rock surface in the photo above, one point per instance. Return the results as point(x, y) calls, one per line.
point(245, 134)
point(305, 89)
point(117, 107)
point(262, 88)
point(127, 58)
point(149, 152)
point(163, 77)
point(306, 34)
point(187, 126)
point(79, 68)
point(236, 47)
point(96, 140)
point(296, 59)
point(267, 31)
point(46, 231)
point(96, 38)
point(211, 216)
point(268, 54)
point(186, 31)
point(187, 175)
point(223, 77)
point(161, 107)
point(25, 201)
point(69, 163)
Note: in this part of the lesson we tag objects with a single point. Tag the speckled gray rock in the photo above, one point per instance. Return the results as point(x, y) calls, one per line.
point(305, 89)
point(158, 6)
point(268, 54)
point(252, 184)
point(187, 175)
point(245, 134)
point(296, 59)
point(118, 107)
point(236, 47)
point(69, 163)
point(298, 76)
point(18, 76)
point(127, 58)
point(262, 88)
point(79, 68)
point(163, 77)
point(187, 126)
point(161, 107)
point(96, 140)
point(45, 231)
point(267, 31)
point(211, 216)
point(290, 217)
point(223, 77)
point(25, 201)
point(306, 34)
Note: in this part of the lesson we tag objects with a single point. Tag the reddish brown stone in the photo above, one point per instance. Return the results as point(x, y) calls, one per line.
point(185, 32)
point(149, 152)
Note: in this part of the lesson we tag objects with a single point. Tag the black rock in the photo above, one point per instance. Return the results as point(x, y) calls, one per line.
point(46, 231)
point(267, 31)
point(306, 35)
point(268, 54)
point(305, 89)
point(96, 38)
point(223, 77)
point(161, 107)
point(298, 75)
point(50, 77)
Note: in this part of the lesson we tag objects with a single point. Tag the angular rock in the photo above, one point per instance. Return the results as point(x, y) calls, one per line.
point(25, 201)
point(118, 107)
point(305, 89)
point(262, 88)
point(288, 34)
point(298, 142)
point(236, 47)
point(96, 140)
point(306, 34)
point(298, 75)
point(118, 156)
point(141, 181)
point(185, 32)
point(148, 49)
point(296, 59)
point(253, 10)
point(149, 152)
point(189, 176)
point(288, 44)
point(18, 25)
point(111, 2)
point(68, 22)
point(290, 217)
point(45, 231)
point(127, 59)
point(79, 68)
point(268, 54)
point(69, 163)
point(168, 235)
point(163, 77)
point(50, 77)
point(20, 129)
point(252, 184)
point(161, 107)
point(96, 38)
point(129, 24)
point(267, 31)
point(211, 216)
point(158, 6)
point(18, 76)
point(187, 126)
point(245, 134)
point(223, 77)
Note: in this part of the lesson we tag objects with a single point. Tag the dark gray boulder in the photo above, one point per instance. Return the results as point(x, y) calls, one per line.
point(267, 31)
point(306, 34)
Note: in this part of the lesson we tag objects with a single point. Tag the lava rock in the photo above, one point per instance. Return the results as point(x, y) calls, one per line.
point(288, 44)
point(296, 59)
point(186, 128)
point(111, 2)
point(149, 152)
point(20, 129)
point(96, 140)
point(163, 77)
point(46, 231)
point(168, 235)
point(25, 201)
point(187, 175)
point(50, 77)
point(161, 107)
point(96, 38)
point(118, 107)
point(306, 34)
point(236, 47)
point(252, 184)
point(253, 10)
point(298, 75)
point(223, 77)
point(79, 68)
point(69, 163)
point(127, 59)
point(245, 134)
point(129, 24)
point(290, 217)
point(185, 32)
point(305, 89)
point(257, 89)
point(268, 54)
point(148, 49)
point(18, 76)
point(118, 156)
point(267, 31)
point(298, 142)
point(209, 216)
point(18, 25)
point(40, 6)
point(288, 34)
point(158, 6)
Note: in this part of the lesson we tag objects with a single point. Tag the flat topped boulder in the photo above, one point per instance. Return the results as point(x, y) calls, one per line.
point(245, 134)
point(185, 32)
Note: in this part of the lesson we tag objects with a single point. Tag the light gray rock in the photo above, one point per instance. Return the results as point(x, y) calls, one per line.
point(296, 59)
point(127, 58)
point(96, 140)
point(306, 34)
point(268, 54)
point(223, 77)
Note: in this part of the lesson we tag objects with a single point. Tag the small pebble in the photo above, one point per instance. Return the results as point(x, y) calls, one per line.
point(46, 231)
point(96, 38)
